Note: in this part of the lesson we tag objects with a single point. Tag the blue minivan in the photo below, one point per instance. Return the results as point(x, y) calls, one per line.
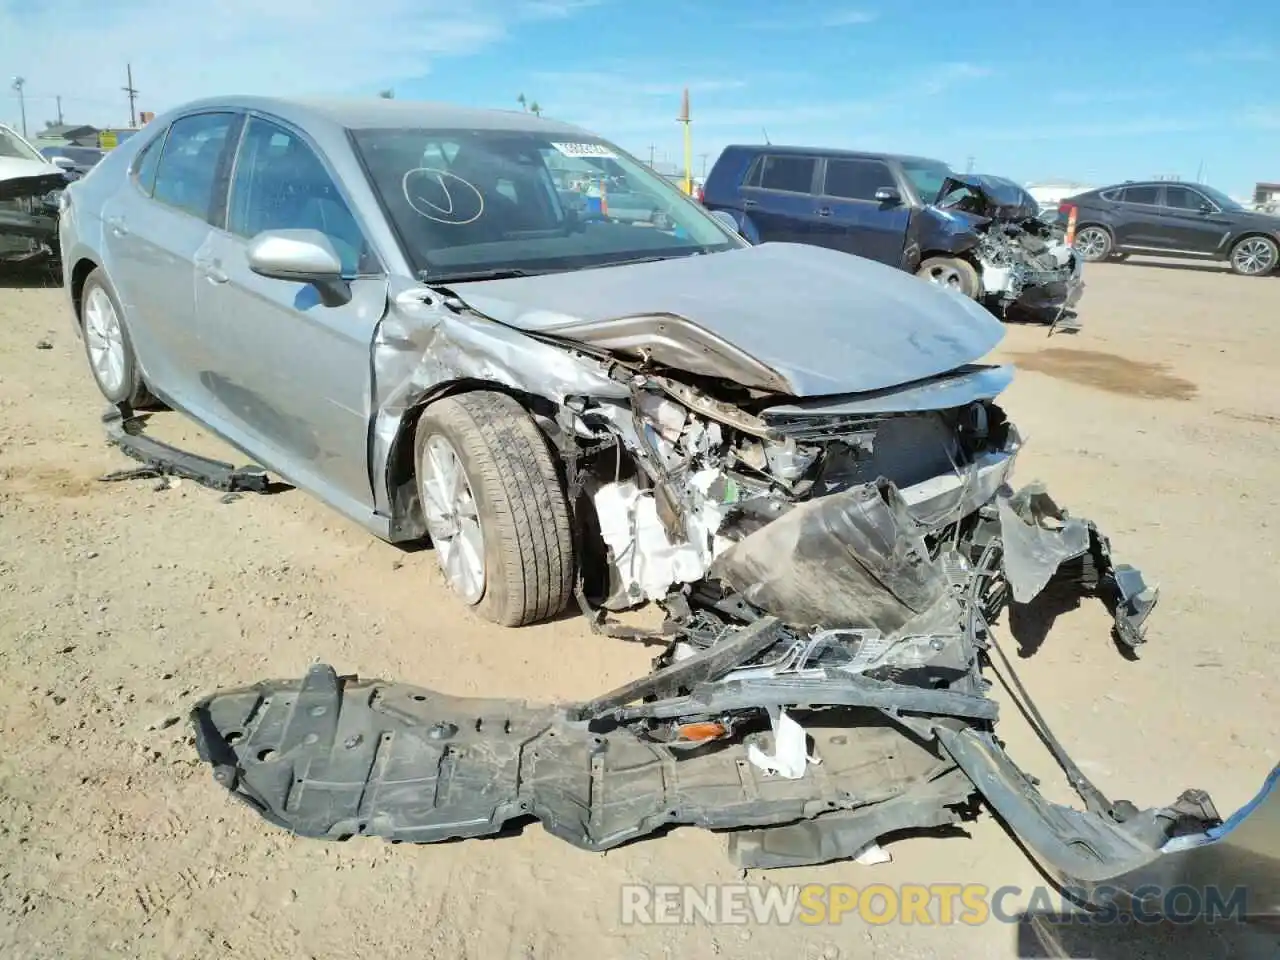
point(979, 235)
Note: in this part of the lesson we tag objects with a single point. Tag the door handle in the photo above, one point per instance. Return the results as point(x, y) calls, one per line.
point(212, 272)
point(117, 226)
point(749, 203)
point(823, 211)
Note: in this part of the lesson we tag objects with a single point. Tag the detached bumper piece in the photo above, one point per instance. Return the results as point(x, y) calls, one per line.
point(336, 757)
point(126, 431)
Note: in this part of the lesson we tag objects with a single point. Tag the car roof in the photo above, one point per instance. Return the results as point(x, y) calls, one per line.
point(378, 112)
point(829, 152)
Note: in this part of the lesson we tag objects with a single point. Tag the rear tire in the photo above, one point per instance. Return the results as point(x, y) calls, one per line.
point(107, 345)
point(1094, 243)
point(1255, 256)
point(516, 498)
point(951, 272)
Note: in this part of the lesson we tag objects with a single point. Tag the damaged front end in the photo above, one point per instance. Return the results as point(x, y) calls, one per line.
point(1025, 264)
point(29, 216)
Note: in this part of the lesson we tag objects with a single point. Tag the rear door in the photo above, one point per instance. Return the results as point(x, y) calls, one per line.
point(1140, 220)
point(290, 375)
point(1194, 222)
point(153, 227)
point(851, 217)
point(778, 197)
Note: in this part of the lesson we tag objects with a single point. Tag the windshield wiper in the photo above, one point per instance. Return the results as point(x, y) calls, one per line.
point(461, 276)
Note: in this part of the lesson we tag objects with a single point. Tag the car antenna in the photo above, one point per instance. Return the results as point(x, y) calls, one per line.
point(766, 136)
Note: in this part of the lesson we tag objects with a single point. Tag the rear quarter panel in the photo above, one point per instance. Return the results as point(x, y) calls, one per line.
point(722, 191)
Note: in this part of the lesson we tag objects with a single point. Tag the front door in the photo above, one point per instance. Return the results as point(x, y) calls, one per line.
point(1194, 222)
point(854, 219)
point(288, 373)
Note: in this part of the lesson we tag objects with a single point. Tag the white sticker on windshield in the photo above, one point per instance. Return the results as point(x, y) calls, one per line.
point(585, 150)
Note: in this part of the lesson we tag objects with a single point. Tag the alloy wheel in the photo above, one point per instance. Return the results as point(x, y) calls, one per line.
point(105, 339)
point(453, 520)
point(945, 276)
point(1091, 242)
point(1254, 256)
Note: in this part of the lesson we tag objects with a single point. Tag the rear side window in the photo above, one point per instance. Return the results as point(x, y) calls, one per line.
point(1140, 194)
point(856, 179)
point(146, 163)
point(793, 174)
point(193, 152)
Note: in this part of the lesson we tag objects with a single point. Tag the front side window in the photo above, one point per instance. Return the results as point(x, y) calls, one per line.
point(1140, 194)
point(1181, 198)
point(792, 174)
point(927, 177)
point(474, 202)
point(856, 179)
point(188, 172)
point(280, 184)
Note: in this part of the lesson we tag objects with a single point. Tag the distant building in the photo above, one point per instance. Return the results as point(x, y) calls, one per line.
point(67, 135)
point(1049, 193)
point(1266, 196)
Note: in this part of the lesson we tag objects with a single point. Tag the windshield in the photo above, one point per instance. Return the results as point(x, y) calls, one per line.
point(12, 145)
point(927, 176)
point(471, 202)
point(1218, 197)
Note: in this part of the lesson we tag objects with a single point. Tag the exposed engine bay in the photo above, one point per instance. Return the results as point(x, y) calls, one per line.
point(1024, 262)
point(29, 217)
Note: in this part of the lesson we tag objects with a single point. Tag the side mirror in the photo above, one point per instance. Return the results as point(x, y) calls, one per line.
point(888, 195)
point(63, 163)
point(725, 219)
point(1206, 208)
point(302, 256)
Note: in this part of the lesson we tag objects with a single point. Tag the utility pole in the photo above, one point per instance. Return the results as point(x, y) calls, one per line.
point(704, 157)
point(133, 97)
point(651, 149)
point(968, 165)
point(685, 119)
point(18, 84)
point(59, 99)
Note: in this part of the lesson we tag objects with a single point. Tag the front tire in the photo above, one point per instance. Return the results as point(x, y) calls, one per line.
point(1094, 243)
point(106, 341)
point(951, 272)
point(1255, 256)
point(495, 507)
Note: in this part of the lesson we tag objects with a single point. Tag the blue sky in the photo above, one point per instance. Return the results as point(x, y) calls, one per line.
point(1088, 91)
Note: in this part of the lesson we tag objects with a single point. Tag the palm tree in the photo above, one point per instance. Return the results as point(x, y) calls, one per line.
point(524, 104)
point(535, 109)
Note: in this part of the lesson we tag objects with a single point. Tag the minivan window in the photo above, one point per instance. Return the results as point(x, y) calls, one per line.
point(1140, 194)
point(793, 174)
point(856, 179)
point(188, 171)
point(280, 184)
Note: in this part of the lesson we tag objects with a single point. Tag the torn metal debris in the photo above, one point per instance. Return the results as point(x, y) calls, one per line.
point(127, 432)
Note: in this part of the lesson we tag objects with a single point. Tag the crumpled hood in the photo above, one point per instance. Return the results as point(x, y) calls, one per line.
point(999, 198)
point(27, 178)
point(790, 318)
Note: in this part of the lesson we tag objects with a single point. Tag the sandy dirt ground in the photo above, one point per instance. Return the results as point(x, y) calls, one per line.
point(120, 604)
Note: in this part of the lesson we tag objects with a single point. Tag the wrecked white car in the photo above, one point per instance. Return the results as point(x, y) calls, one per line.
point(29, 190)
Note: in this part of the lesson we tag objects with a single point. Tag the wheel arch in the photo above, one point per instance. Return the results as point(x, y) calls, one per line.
point(79, 273)
point(407, 523)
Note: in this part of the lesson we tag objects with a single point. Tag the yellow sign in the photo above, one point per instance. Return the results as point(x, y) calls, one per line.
point(107, 140)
